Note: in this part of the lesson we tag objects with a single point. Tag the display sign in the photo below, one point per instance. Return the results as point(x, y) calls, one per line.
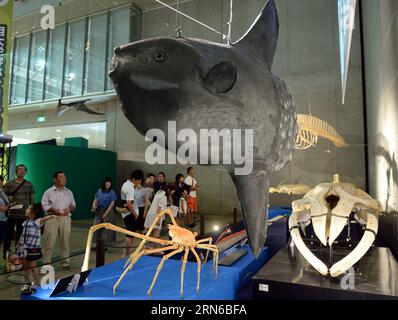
point(346, 11)
point(6, 7)
point(70, 283)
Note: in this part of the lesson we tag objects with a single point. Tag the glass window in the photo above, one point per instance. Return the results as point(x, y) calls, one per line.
point(20, 70)
point(136, 26)
point(119, 34)
point(96, 55)
point(55, 61)
point(36, 66)
point(74, 59)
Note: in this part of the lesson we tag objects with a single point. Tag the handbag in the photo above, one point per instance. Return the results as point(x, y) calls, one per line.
point(12, 194)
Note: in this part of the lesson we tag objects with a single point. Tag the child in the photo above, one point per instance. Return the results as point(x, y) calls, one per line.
point(29, 245)
point(183, 206)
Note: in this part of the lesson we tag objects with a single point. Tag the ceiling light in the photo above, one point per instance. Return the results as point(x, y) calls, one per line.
point(40, 65)
point(216, 228)
point(27, 132)
point(71, 76)
point(58, 130)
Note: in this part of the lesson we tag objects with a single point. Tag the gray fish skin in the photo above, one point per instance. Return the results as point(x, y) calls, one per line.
point(205, 85)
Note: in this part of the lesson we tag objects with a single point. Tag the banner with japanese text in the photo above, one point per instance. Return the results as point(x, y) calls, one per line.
point(6, 7)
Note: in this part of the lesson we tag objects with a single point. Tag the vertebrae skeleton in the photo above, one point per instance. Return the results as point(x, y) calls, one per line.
point(311, 128)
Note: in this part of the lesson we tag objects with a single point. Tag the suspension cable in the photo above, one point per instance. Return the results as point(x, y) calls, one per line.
point(224, 36)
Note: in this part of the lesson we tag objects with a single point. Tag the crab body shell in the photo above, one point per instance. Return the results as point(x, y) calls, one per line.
point(182, 236)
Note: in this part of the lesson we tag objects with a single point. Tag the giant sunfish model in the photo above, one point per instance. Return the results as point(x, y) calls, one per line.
point(205, 85)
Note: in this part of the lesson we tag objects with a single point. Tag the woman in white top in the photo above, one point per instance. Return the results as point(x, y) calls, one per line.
point(159, 203)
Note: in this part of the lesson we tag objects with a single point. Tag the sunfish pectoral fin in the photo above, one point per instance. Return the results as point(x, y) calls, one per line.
point(253, 195)
point(262, 38)
point(221, 78)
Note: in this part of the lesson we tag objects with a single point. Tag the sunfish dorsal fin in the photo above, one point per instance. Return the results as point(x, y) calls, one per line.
point(262, 37)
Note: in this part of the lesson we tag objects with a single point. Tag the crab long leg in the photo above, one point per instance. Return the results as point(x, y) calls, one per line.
point(209, 241)
point(184, 263)
point(167, 256)
point(363, 246)
point(169, 212)
point(214, 249)
point(134, 261)
point(112, 227)
point(199, 265)
point(127, 270)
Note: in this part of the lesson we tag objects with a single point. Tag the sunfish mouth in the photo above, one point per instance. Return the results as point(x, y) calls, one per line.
point(150, 83)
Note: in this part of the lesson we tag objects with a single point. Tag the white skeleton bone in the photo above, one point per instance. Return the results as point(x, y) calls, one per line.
point(290, 189)
point(329, 206)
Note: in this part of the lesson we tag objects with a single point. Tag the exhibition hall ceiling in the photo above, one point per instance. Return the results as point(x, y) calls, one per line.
point(94, 132)
point(68, 10)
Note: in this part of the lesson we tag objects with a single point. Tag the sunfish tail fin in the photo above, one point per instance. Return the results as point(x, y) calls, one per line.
point(262, 37)
point(253, 195)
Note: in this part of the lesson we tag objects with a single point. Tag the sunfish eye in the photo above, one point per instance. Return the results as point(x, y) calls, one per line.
point(160, 56)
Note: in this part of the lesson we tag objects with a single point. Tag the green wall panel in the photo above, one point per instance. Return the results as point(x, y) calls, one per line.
point(76, 142)
point(84, 169)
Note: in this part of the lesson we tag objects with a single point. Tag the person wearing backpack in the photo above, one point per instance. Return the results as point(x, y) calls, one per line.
point(20, 193)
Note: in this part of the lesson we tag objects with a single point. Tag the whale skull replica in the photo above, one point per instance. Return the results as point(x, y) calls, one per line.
point(329, 206)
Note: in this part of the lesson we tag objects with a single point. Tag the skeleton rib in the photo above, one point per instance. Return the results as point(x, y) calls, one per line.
point(310, 128)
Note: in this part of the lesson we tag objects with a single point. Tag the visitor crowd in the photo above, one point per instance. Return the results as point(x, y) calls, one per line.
point(139, 204)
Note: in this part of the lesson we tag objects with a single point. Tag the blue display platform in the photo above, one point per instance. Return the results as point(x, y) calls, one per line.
point(136, 283)
point(274, 211)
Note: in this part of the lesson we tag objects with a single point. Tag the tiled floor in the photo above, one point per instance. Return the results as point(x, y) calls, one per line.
point(10, 283)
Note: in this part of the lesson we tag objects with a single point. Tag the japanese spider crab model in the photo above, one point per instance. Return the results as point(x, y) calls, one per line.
point(182, 240)
point(329, 206)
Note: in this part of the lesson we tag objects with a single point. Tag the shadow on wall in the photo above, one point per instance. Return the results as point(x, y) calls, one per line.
point(388, 228)
point(389, 219)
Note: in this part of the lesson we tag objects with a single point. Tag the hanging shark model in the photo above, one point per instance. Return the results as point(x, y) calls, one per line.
point(205, 85)
point(77, 105)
